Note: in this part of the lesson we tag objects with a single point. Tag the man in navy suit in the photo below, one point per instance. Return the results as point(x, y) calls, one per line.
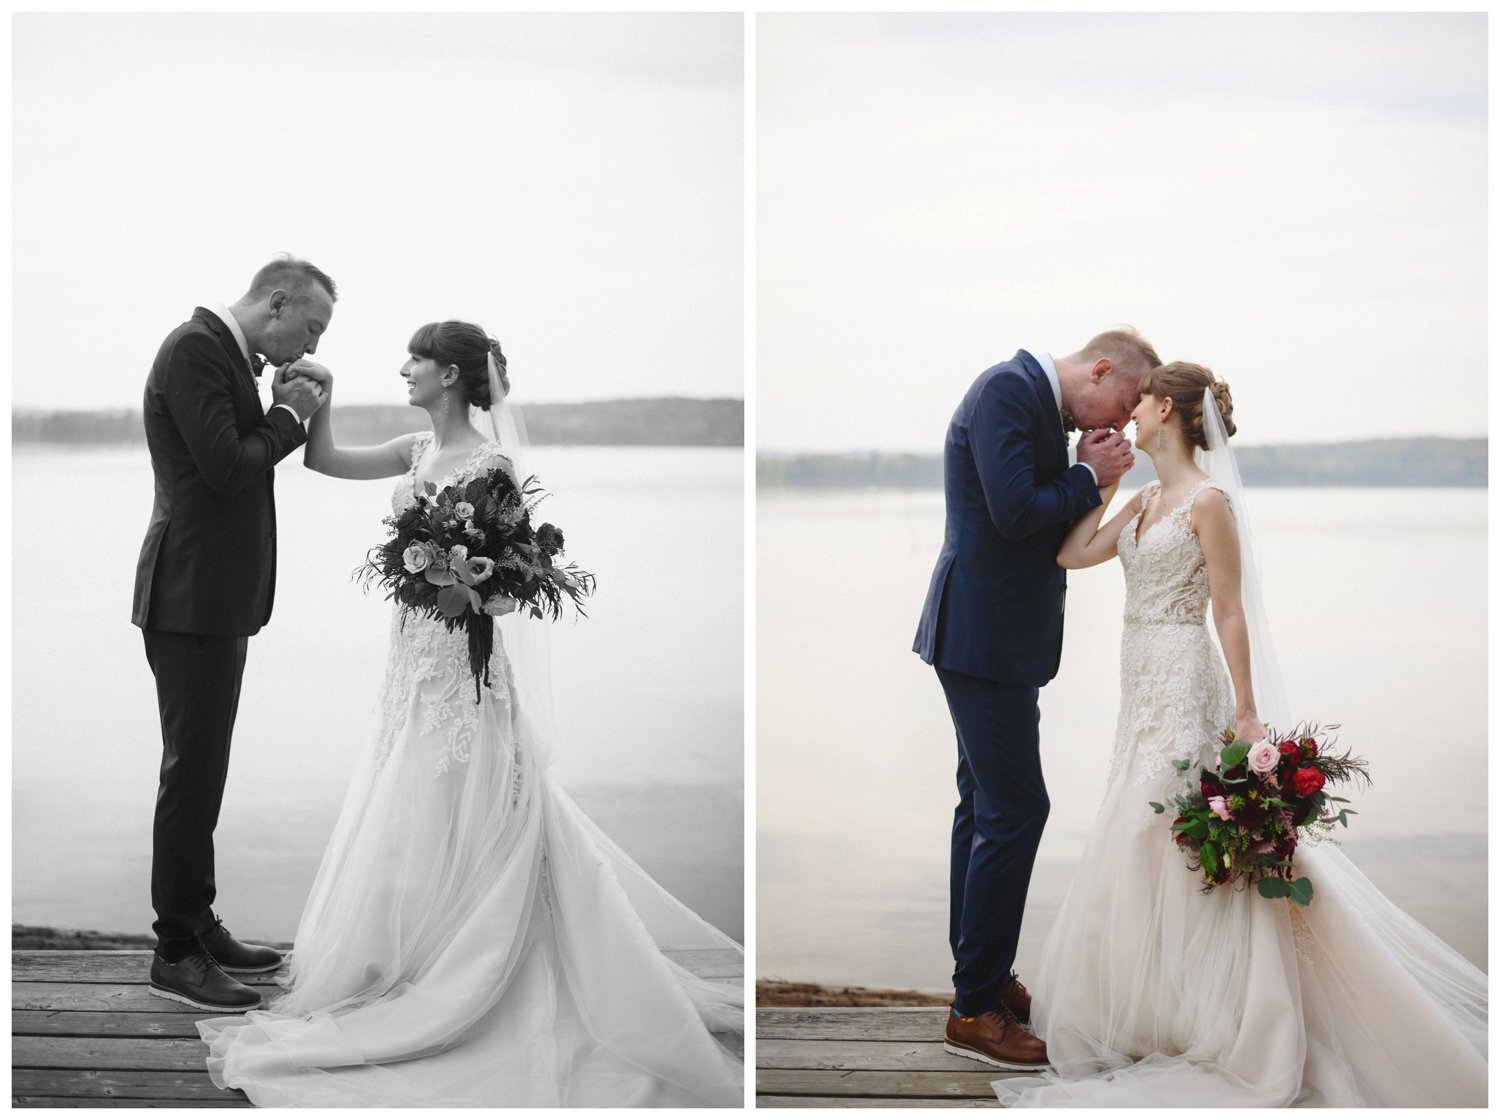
point(992, 627)
point(204, 584)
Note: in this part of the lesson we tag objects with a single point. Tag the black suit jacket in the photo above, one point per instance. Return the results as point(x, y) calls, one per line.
point(208, 564)
point(994, 608)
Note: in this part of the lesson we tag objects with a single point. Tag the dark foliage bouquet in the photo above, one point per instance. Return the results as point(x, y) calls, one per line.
point(1244, 820)
point(469, 553)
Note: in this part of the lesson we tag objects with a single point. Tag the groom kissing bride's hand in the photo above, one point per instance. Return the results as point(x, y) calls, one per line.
point(992, 628)
point(1107, 453)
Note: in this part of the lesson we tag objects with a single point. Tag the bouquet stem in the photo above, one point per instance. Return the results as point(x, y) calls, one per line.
point(481, 644)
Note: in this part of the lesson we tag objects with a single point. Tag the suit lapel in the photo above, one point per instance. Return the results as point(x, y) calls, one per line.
point(1052, 433)
point(236, 357)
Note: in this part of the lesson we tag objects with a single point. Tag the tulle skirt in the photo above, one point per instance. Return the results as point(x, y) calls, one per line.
point(473, 939)
point(1153, 994)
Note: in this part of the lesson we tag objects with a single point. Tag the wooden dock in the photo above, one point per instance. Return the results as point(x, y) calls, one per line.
point(86, 1033)
point(863, 1057)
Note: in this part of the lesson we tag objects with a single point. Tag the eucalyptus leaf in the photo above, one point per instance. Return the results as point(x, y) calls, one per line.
point(1302, 891)
point(1274, 888)
point(1158, 806)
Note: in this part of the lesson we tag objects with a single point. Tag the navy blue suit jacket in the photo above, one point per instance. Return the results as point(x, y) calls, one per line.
point(208, 563)
point(995, 605)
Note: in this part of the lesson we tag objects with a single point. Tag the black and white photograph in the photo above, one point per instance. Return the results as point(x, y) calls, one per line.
point(1121, 588)
point(378, 717)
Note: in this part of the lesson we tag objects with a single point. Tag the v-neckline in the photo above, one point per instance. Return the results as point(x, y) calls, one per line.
point(1142, 529)
point(416, 464)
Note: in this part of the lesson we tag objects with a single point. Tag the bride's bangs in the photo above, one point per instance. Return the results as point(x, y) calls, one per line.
point(423, 342)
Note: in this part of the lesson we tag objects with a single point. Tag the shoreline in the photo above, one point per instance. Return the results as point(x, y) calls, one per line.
point(786, 993)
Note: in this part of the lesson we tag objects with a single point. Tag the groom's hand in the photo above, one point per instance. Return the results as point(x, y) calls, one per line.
point(1108, 452)
point(301, 393)
point(311, 370)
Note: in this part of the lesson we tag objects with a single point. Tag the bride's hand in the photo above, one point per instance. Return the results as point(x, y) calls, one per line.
point(1249, 728)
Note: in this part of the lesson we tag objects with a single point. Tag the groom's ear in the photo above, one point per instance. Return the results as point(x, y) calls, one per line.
point(1101, 369)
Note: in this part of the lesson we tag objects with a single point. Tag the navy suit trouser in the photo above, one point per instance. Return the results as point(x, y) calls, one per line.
point(198, 694)
point(997, 827)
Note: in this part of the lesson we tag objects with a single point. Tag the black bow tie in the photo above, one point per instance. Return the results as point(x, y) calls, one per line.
point(257, 364)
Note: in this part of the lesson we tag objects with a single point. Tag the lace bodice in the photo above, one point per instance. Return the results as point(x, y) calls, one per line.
point(1174, 691)
point(482, 458)
point(1166, 577)
point(427, 675)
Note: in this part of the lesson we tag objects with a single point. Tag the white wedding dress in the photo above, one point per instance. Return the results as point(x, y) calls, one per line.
point(1152, 994)
point(472, 938)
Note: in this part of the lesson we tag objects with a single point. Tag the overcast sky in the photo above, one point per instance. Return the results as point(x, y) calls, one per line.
point(1297, 201)
point(573, 183)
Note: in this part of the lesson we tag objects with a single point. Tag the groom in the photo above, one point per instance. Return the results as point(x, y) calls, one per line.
point(992, 627)
point(204, 584)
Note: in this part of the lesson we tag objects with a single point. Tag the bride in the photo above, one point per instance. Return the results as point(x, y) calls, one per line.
point(472, 938)
point(1153, 994)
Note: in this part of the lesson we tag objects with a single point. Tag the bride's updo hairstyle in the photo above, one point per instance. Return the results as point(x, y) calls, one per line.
point(456, 343)
point(1184, 382)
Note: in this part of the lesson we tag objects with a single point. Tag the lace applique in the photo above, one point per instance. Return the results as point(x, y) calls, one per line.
point(1174, 692)
point(1302, 936)
point(427, 679)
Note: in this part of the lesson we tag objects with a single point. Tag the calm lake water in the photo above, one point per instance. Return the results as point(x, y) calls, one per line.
point(648, 689)
point(1378, 603)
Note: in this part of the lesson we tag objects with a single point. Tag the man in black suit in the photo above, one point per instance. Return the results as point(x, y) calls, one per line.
point(204, 584)
point(992, 627)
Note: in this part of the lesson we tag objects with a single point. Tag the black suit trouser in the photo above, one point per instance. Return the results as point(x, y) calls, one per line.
point(198, 694)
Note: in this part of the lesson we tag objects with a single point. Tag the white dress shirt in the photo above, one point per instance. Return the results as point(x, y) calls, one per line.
point(228, 319)
point(1050, 369)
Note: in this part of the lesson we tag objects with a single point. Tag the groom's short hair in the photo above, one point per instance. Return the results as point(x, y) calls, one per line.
point(293, 276)
point(1126, 348)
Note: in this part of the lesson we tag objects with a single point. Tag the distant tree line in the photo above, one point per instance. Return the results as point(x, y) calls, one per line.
point(1374, 462)
point(661, 421)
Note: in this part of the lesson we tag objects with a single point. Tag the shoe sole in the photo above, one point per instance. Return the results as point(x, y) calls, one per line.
point(165, 993)
point(245, 971)
point(964, 1052)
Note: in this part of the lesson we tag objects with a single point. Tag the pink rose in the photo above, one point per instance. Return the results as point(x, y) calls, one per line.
point(1263, 757)
point(415, 558)
point(1219, 807)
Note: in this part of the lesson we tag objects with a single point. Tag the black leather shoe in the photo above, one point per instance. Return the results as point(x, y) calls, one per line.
point(236, 956)
point(198, 982)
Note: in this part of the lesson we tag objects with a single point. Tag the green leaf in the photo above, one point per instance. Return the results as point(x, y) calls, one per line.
point(1198, 830)
point(453, 600)
point(1208, 855)
point(1274, 888)
point(1301, 891)
point(1158, 806)
point(1181, 764)
point(1234, 754)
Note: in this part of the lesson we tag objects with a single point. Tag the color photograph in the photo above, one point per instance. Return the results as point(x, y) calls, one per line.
point(1121, 574)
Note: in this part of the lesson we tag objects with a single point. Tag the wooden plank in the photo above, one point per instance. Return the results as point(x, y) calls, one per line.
point(872, 1102)
point(111, 1102)
point(187, 1085)
point(874, 1083)
point(889, 1024)
point(771, 1053)
point(133, 966)
point(33, 1052)
point(111, 1024)
point(33, 996)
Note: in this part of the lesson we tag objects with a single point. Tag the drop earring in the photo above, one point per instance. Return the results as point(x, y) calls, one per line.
point(1160, 442)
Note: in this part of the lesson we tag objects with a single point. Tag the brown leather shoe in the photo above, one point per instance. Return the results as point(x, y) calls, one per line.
point(1018, 999)
point(994, 1037)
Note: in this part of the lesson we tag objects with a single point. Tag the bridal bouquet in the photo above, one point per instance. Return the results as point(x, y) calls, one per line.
point(469, 553)
point(1245, 819)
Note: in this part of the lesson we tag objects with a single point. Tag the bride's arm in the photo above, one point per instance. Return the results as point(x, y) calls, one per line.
point(1214, 523)
point(1087, 544)
point(322, 455)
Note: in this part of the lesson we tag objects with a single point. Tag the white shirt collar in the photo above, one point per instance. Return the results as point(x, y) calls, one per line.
point(229, 321)
point(1044, 359)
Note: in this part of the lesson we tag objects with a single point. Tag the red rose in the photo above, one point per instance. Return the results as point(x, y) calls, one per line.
point(1307, 781)
point(1288, 748)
